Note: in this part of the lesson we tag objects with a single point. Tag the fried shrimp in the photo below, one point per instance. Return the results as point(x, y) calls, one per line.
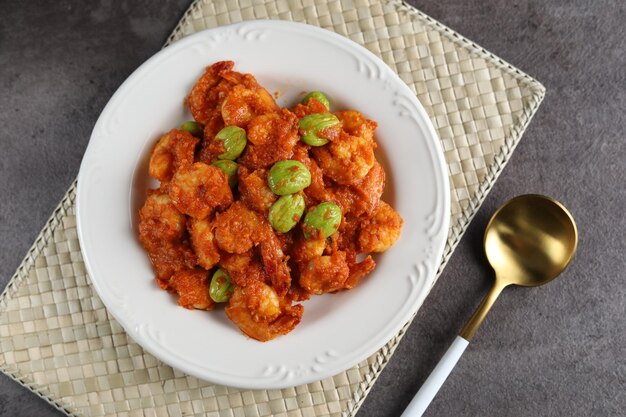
point(369, 191)
point(381, 231)
point(261, 314)
point(204, 244)
point(244, 268)
point(348, 159)
point(159, 219)
point(271, 128)
point(168, 258)
point(192, 287)
point(161, 232)
point(363, 197)
point(275, 262)
point(174, 150)
point(307, 249)
point(238, 229)
point(310, 107)
point(356, 124)
point(244, 102)
point(316, 192)
point(272, 138)
point(203, 97)
point(325, 273)
point(199, 189)
point(254, 191)
point(358, 271)
point(210, 148)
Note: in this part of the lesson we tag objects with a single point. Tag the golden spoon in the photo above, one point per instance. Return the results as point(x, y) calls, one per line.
point(529, 241)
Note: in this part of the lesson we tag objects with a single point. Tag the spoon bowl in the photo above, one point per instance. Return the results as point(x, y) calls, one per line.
point(530, 240)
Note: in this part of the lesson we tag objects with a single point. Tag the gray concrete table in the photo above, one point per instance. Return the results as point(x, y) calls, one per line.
point(558, 350)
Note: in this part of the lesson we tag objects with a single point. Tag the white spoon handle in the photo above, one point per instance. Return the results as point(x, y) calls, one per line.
point(435, 380)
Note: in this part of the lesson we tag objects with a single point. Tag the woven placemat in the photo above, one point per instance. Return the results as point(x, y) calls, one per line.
point(56, 337)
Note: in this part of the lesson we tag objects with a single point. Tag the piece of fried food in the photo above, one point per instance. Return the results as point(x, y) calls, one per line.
point(168, 257)
point(361, 198)
point(325, 274)
point(246, 101)
point(260, 313)
point(161, 232)
point(192, 287)
point(254, 191)
point(199, 189)
point(382, 230)
point(238, 228)
point(348, 159)
point(272, 137)
point(209, 91)
point(204, 244)
point(173, 151)
point(159, 219)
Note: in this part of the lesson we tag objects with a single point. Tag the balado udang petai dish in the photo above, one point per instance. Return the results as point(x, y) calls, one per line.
point(260, 207)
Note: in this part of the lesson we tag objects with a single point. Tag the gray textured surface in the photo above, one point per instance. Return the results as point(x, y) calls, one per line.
point(550, 351)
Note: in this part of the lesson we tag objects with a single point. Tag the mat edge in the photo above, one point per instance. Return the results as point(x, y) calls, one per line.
point(458, 231)
point(474, 48)
point(12, 286)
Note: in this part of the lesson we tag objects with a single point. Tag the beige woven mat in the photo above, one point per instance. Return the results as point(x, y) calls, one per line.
point(57, 338)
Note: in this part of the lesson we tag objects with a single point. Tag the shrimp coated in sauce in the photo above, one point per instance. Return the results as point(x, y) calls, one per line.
point(358, 271)
point(316, 192)
point(243, 103)
point(168, 257)
point(363, 197)
point(204, 244)
point(254, 191)
point(174, 150)
point(382, 230)
point(312, 106)
point(200, 189)
point(325, 274)
point(244, 268)
point(307, 249)
point(238, 228)
point(261, 314)
point(205, 97)
point(159, 219)
point(349, 158)
point(210, 148)
point(192, 287)
point(161, 232)
point(275, 262)
point(272, 138)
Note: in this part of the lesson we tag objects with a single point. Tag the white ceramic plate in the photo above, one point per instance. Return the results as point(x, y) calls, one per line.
point(337, 331)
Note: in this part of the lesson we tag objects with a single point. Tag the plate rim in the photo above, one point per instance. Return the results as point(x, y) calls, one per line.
point(438, 161)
